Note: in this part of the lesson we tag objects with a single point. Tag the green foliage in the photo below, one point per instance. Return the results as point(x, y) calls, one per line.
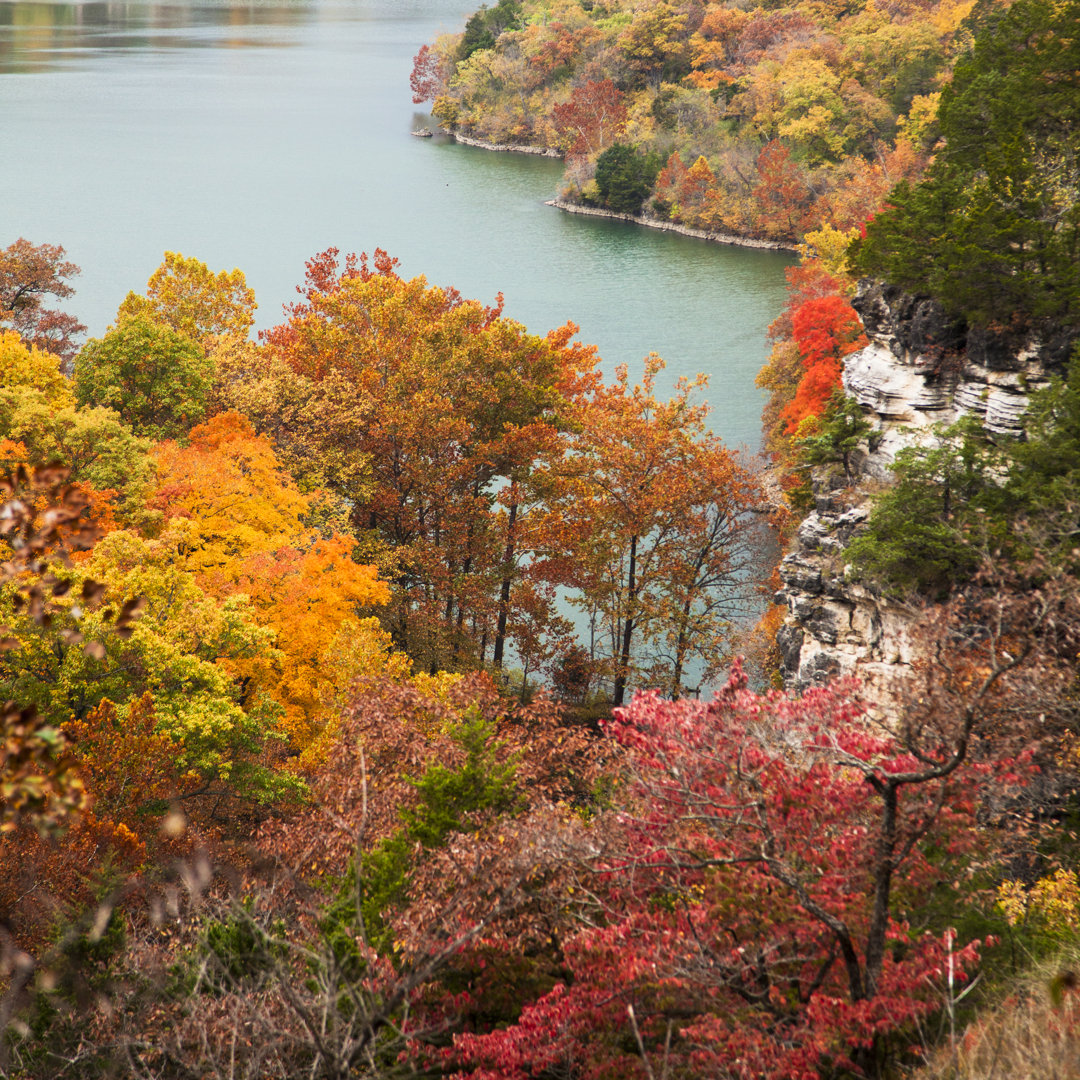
point(238, 949)
point(843, 427)
point(181, 652)
point(155, 378)
point(449, 800)
point(1044, 477)
point(923, 530)
point(95, 444)
point(993, 231)
point(625, 176)
point(485, 25)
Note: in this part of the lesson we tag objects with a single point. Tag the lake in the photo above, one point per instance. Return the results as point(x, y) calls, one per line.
point(257, 134)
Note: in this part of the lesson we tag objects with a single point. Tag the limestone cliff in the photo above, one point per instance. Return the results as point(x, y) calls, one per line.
point(919, 370)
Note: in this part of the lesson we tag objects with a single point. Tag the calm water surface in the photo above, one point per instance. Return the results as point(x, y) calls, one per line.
point(257, 134)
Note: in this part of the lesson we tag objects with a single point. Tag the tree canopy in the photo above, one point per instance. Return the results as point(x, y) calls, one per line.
point(993, 231)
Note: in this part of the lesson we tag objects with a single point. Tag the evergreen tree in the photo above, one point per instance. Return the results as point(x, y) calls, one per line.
point(993, 231)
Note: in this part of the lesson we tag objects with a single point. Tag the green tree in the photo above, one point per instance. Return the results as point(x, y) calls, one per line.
point(189, 651)
point(95, 444)
point(157, 379)
point(449, 799)
point(843, 427)
point(485, 25)
point(993, 230)
point(926, 532)
point(1044, 472)
point(625, 177)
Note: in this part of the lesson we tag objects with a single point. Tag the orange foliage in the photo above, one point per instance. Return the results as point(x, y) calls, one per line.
point(129, 771)
point(246, 534)
point(825, 329)
point(307, 596)
point(228, 483)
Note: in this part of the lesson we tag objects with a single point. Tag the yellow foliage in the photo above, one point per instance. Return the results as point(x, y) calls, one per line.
point(830, 247)
point(187, 295)
point(921, 115)
point(27, 366)
point(948, 16)
point(1055, 899)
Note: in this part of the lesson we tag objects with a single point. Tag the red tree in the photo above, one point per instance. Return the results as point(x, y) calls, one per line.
point(783, 193)
point(752, 896)
point(592, 119)
point(29, 272)
point(427, 75)
point(825, 329)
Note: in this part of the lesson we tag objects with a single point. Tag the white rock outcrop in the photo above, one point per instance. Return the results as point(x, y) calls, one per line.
point(919, 371)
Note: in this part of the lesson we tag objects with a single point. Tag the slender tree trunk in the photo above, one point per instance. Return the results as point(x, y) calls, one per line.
point(628, 627)
point(884, 867)
point(504, 592)
point(680, 653)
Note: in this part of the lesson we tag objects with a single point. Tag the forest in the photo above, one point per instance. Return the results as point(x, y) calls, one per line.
point(355, 722)
point(755, 120)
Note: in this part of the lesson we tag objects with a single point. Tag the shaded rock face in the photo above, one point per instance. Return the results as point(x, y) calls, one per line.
point(834, 626)
point(920, 369)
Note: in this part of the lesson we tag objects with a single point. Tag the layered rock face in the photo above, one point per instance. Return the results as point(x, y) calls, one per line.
point(919, 371)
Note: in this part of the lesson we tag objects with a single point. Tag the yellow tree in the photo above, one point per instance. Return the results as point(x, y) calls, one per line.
point(188, 296)
point(29, 367)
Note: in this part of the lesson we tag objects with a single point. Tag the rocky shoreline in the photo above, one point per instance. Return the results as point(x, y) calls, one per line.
point(672, 226)
point(594, 211)
point(502, 148)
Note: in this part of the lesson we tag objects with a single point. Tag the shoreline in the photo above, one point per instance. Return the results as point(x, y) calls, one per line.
point(672, 226)
point(502, 148)
point(731, 239)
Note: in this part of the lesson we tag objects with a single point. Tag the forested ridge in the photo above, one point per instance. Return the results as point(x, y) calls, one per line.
point(759, 120)
point(306, 773)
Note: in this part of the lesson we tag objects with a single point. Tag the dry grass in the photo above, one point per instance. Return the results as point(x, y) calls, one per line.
point(1033, 1034)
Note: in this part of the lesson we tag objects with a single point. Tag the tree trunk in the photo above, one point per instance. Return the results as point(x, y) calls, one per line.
point(628, 627)
point(504, 592)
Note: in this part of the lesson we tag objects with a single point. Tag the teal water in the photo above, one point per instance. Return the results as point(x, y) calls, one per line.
point(257, 134)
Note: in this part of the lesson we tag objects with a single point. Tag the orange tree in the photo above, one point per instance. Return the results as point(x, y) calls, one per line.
point(449, 401)
point(243, 523)
point(649, 526)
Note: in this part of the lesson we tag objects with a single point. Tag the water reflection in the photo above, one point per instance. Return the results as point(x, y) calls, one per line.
point(38, 36)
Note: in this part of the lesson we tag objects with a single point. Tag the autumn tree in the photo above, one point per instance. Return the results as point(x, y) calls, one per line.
point(592, 119)
point(185, 294)
point(649, 526)
point(29, 274)
point(449, 400)
point(427, 76)
point(825, 330)
point(759, 894)
point(43, 523)
point(156, 378)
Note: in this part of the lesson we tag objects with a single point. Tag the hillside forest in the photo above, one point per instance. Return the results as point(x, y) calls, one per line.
point(354, 723)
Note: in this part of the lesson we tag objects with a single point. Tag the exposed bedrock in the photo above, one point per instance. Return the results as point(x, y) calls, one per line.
point(920, 369)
